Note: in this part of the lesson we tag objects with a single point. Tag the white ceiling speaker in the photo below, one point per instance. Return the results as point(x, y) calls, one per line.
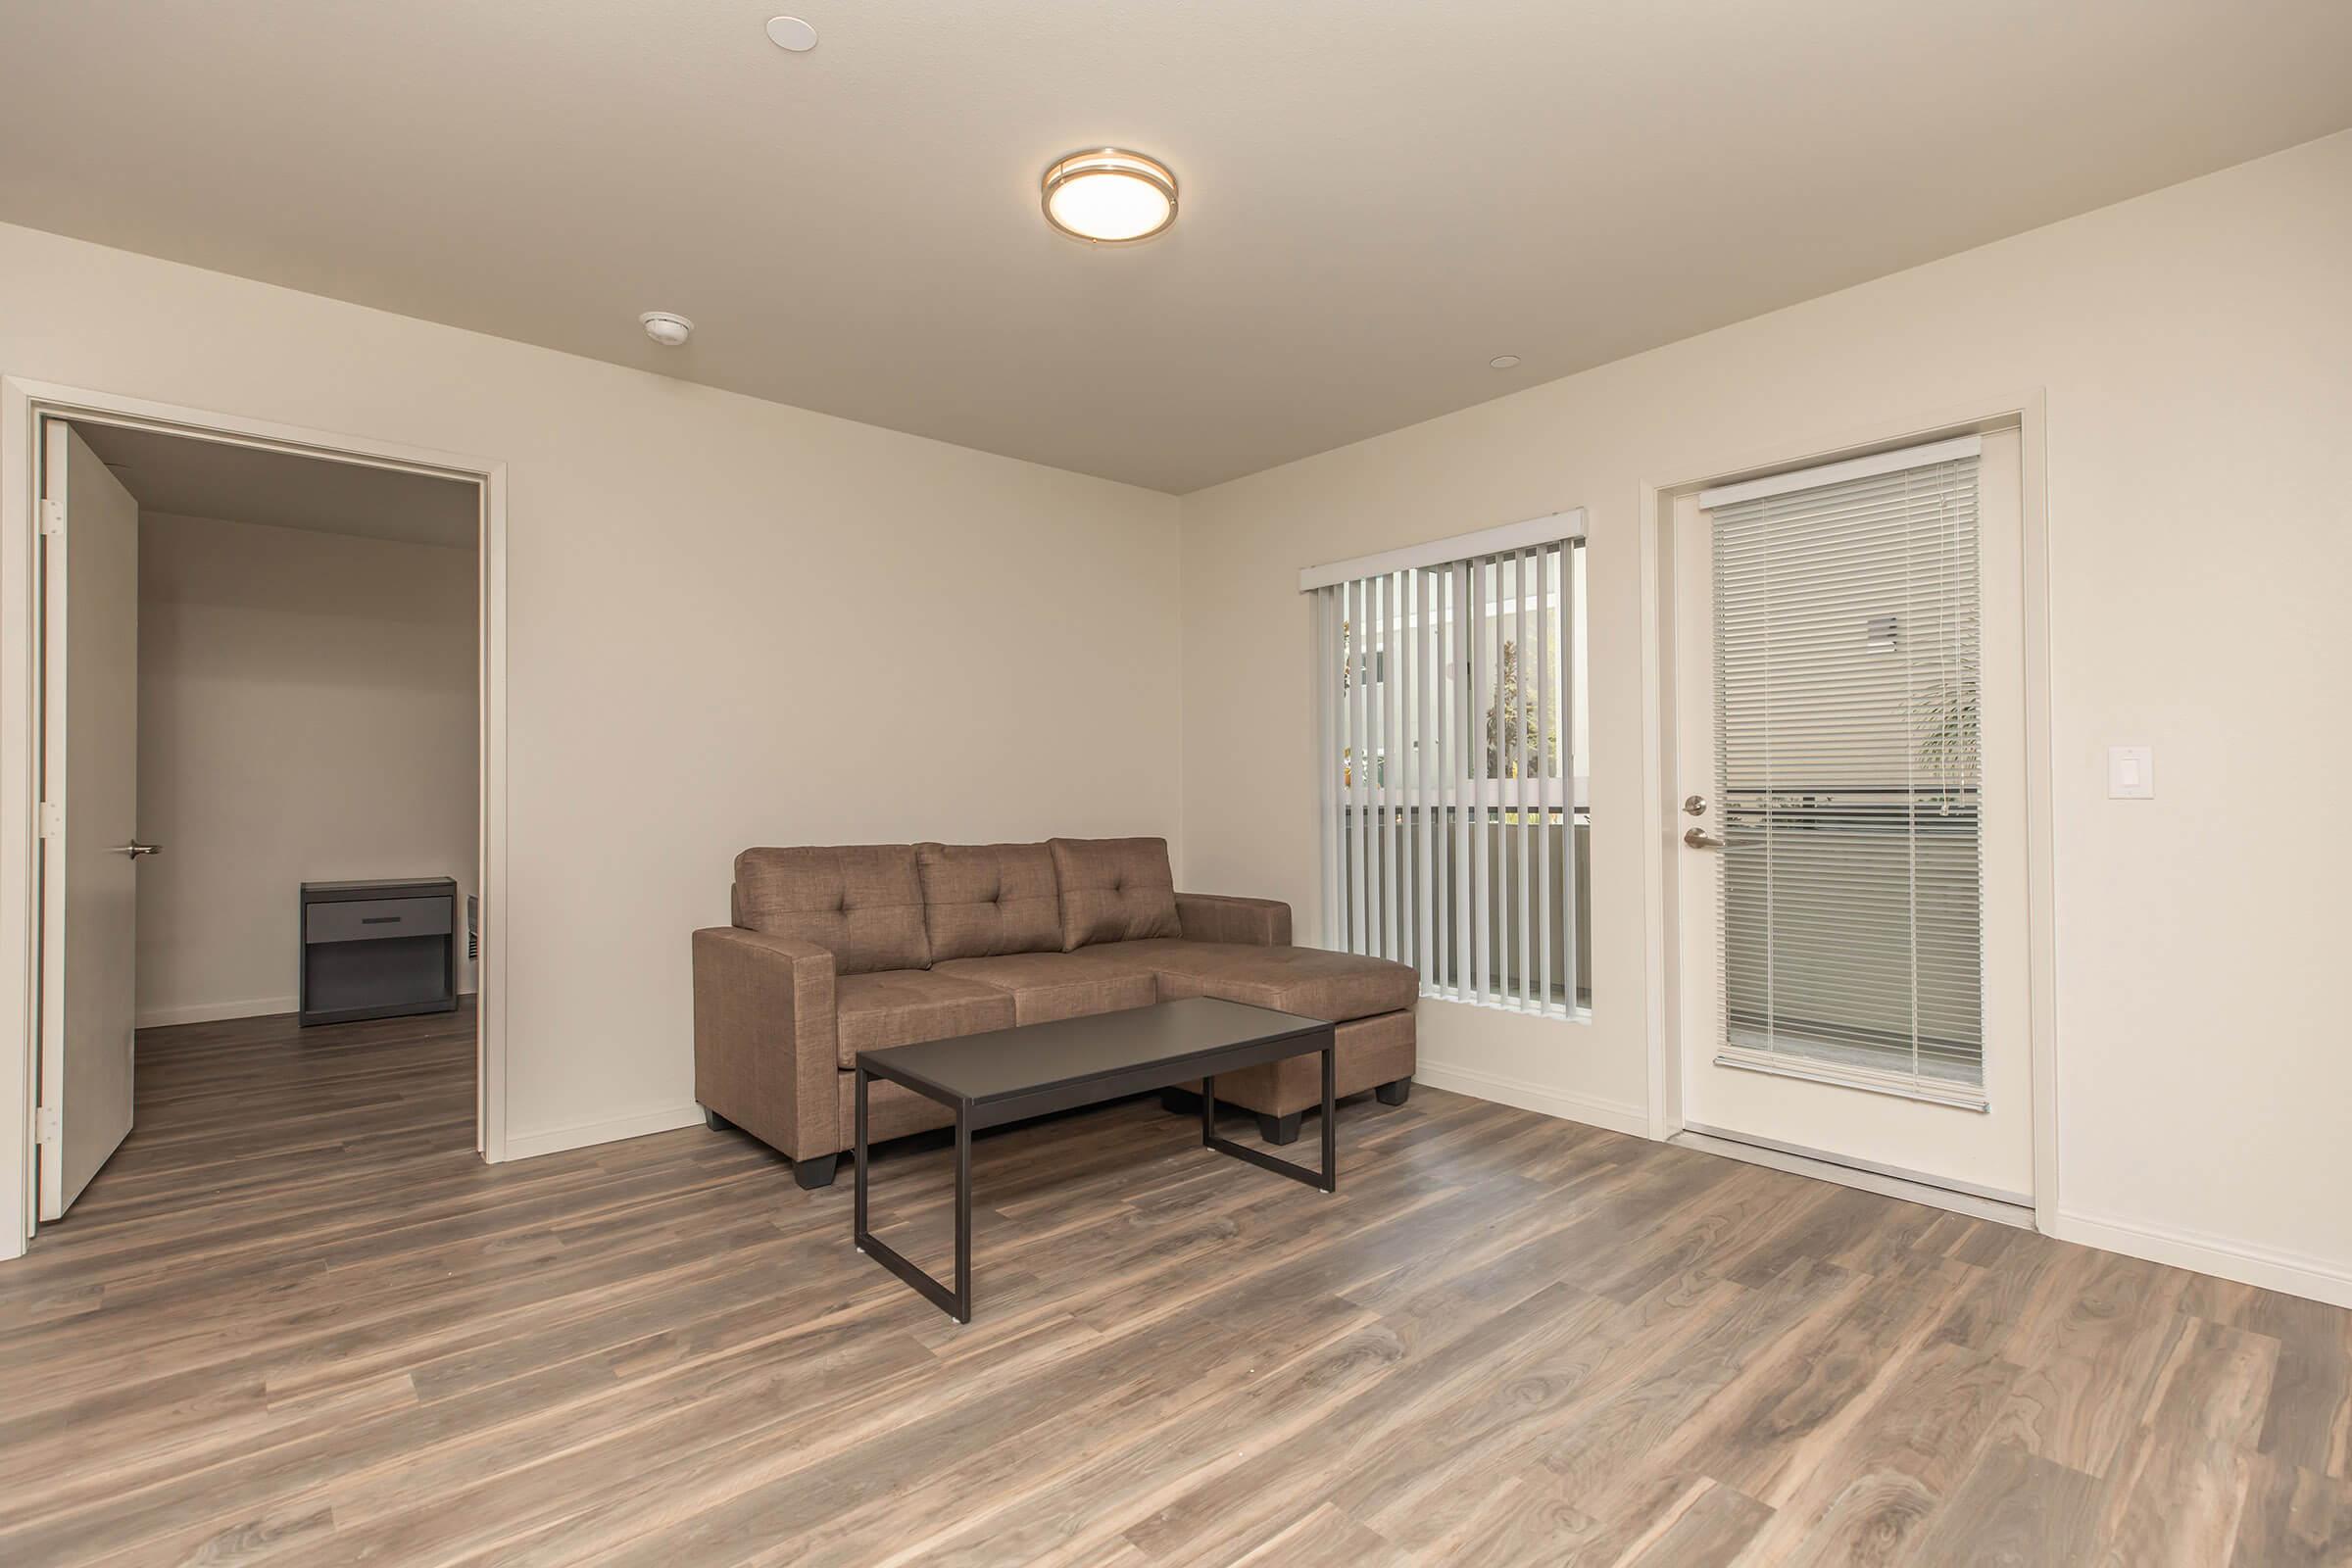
point(1109, 197)
point(790, 33)
point(1503, 361)
point(666, 327)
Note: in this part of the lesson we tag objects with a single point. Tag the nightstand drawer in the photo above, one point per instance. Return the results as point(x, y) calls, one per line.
point(363, 920)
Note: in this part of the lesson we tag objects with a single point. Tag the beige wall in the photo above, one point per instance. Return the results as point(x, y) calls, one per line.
point(731, 623)
point(2195, 347)
point(308, 711)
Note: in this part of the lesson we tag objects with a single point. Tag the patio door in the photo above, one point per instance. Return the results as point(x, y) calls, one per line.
point(1850, 751)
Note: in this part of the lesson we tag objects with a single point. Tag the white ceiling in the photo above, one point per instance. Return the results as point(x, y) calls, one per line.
point(195, 478)
point(1379, 196)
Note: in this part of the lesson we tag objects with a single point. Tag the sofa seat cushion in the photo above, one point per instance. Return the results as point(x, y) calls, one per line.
point(899, 1006)
point(862, 902)
point(1309, 981)
point(1045, 986)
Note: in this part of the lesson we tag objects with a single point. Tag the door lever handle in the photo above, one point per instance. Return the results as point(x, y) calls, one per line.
point(1699, 838)
point(134, 848)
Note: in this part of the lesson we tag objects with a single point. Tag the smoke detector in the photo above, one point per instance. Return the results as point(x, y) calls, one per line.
point(666, 327)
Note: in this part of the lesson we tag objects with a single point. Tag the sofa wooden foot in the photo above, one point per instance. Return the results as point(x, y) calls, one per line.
point(817, 1171)
point(1279, 1130)
point(716, 1122)
point(1394, 1093)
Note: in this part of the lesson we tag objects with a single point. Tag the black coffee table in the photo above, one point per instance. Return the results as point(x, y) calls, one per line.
point(1007, 1074)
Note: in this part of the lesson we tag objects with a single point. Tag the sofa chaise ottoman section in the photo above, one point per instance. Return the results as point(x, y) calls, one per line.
point(1309, 981)
point(1371, 1000)
point(838, 950)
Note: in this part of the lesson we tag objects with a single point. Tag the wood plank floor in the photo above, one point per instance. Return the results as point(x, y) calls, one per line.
point(296, 1321)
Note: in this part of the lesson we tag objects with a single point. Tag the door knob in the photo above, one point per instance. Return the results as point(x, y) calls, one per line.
point(1694, 805)
point(1699, 838)
point(134, 848)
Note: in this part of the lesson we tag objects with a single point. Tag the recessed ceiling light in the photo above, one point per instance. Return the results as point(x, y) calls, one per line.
point(790, 33)
point(666, 327)
point(1503, 361)
point(1109, 197)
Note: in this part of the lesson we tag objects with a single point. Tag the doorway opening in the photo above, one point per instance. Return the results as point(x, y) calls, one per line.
point(263, 751)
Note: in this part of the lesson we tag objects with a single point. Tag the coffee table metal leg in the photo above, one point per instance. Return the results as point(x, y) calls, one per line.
point(957, 1302)
point(857, 1219)
point(1326, 1180)
point(964, 1215)
point(1331, 1131)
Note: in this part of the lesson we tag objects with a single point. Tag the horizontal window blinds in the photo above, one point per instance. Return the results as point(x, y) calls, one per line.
point(1849, 777)
point(1453, 812)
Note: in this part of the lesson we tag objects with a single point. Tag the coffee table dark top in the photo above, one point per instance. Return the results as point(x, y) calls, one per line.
point(1106, 1051)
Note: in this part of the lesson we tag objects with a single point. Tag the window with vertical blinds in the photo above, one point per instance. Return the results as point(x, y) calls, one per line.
point(1849, 775)
point(1453, 778)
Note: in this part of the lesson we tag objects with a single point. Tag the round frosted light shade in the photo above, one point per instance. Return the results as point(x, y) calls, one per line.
point(1109, 197)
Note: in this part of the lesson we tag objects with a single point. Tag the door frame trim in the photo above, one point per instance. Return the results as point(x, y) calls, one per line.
point(2027, 413)
point(24, 403)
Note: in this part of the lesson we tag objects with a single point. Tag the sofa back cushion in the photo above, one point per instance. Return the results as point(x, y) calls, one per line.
point(863, 900)
point(1114, 890)
point(983, 900)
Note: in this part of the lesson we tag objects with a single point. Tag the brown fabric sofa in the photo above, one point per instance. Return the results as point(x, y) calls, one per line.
point(843, 949)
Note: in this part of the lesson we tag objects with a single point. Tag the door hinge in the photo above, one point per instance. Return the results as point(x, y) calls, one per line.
point(53, 820)
point(53, 517)
point(47, 1125)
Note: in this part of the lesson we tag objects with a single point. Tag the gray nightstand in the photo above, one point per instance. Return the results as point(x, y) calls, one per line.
point(378, 950)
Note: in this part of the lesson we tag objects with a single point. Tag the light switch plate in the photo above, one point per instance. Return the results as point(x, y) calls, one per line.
point(2130, 772)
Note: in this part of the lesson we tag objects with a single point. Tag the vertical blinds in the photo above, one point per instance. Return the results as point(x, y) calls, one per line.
point(1848, 775)
point(1449, 801)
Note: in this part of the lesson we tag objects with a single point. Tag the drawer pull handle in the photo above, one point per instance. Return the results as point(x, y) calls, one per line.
point(379, 919)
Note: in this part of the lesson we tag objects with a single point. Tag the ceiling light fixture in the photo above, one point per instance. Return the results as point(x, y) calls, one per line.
point(666, 327)
point(1503, 361)
point(790, 33)
point(1109, 197)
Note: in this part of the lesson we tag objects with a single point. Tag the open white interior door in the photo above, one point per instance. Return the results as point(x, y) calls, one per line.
point(89, 814)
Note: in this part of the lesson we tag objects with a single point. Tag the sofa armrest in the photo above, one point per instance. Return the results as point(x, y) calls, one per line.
point(1214, 917)
point(764, 1055)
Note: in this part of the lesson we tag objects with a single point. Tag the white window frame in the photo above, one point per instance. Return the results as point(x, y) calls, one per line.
point(1374, 818)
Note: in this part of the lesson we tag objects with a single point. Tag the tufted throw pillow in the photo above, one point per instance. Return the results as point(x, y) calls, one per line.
point(1114, 890)
point(863, 900)
point(982, 901)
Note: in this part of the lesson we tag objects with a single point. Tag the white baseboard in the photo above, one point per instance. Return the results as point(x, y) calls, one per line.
point(222, 1012)
point(215, 1012)
point(527, 1145)
point(1634, 1120)
point(2317, 1278)
point(2295, 1275)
